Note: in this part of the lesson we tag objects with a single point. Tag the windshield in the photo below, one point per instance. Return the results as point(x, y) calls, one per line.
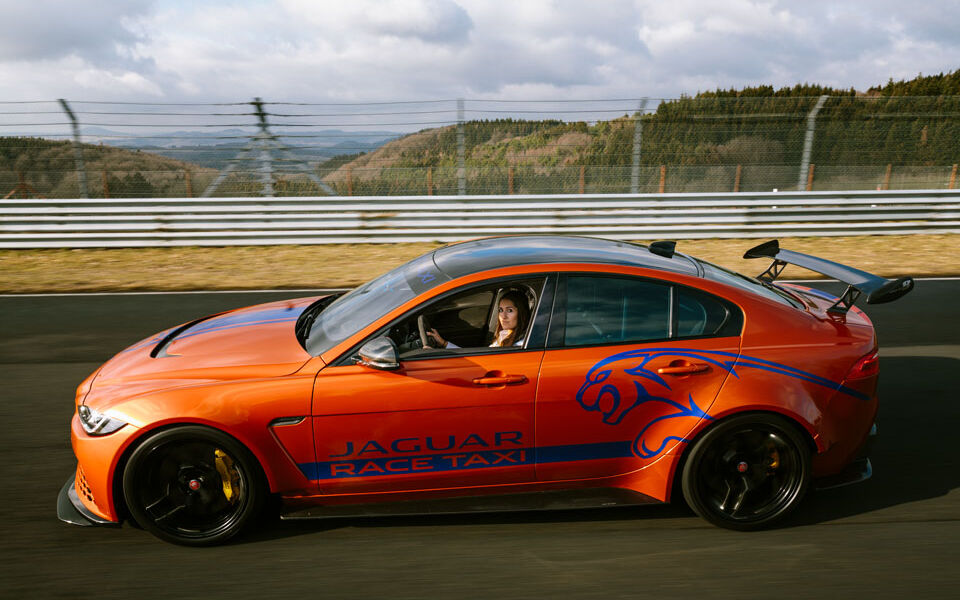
point(364, 305)
point(751, 284)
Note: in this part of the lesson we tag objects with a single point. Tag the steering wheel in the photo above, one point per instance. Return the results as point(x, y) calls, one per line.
point(423, 325)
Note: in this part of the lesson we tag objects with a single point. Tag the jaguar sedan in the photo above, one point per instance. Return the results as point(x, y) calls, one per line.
point(496, 374)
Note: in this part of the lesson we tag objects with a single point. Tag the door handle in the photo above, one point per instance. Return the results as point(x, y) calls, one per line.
point(500, 380)
point(689, 369)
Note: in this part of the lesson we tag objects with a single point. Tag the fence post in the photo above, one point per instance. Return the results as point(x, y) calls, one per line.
point(429, 181)
point(266, 161)
point(808, 140)
point(810, 177)
point(663, 178)
point(461, 172)
point(106, 186)
point(637, 136)
point(510, 180)
point(189, 182)
point(953, 176)
point(349, 180)
point(77, 149)
point(583, 178)
point(736, 179)
point(886, 178)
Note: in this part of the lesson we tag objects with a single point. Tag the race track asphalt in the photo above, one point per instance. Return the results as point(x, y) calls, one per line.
point(895, 536)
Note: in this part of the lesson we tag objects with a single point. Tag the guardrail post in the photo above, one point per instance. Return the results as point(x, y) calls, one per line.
point(461, 171)
point(810, 178)
point(189, 182)
point(886, 178)
point(583, 170)
point(637, 137)
point(953, 177)
point(663, 178)
point(808, 139)
point(77, 149)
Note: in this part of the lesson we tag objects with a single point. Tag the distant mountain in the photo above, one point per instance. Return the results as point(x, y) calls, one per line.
point(217, 148)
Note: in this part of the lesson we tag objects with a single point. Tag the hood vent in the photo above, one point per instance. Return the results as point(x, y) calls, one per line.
point(160, 350)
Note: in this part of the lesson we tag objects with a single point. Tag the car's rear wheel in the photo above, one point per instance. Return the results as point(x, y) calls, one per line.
point(192, 485)
point(747, 472)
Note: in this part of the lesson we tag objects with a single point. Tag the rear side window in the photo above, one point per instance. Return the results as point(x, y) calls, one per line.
point(700, 314)
point(601, 310)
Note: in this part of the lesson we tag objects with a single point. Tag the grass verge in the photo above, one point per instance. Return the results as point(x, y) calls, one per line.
point(347, 265)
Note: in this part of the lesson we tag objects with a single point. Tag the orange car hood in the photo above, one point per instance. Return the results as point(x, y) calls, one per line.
point(247, 343)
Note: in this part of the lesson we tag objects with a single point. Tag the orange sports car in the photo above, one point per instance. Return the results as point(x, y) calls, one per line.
point(495, 374)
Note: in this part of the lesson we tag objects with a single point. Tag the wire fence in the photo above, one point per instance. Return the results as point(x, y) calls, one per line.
point(60, 149)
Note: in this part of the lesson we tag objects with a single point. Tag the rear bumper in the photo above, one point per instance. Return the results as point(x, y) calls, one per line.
point(857, 471)
point(71, 510)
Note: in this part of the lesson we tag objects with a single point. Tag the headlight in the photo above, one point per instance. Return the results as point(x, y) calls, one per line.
point(96, 423)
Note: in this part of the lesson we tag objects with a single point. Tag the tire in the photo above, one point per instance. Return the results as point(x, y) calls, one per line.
point(193, 486)
point(747, 472)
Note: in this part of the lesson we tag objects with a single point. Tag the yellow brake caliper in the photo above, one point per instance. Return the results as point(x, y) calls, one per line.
point(228, 473)
point(773, 457)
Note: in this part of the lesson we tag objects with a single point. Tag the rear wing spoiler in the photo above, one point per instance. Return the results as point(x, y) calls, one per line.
point(877, 289)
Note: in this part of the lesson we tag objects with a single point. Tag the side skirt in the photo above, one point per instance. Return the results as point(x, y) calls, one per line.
point(551, 500)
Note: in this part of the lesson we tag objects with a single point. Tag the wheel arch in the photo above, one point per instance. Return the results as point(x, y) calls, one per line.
point(674, 489)
point(116, 482)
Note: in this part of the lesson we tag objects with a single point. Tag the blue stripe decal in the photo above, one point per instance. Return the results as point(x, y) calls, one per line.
point(247, 318)
point(716, 357)
point(234, 321)
point(819, 293)
point(463, 460)
point(233, 326)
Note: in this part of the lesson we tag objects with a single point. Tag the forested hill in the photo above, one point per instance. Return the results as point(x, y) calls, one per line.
point(49, 167)
point(911, 122)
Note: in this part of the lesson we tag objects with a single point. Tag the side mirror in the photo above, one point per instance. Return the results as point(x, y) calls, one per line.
point(380, 353)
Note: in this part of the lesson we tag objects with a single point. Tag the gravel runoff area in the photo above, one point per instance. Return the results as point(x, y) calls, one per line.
point(347, 265)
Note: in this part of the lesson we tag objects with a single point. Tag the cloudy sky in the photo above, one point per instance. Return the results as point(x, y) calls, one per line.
point(377, 50)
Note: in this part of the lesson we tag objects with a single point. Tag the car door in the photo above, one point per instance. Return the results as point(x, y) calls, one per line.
point(632, 365)
point(445, 419)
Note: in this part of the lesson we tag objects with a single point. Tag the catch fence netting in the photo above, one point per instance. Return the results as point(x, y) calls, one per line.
point(61, 149)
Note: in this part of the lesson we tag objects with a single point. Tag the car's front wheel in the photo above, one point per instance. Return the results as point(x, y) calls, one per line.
point(747, 471)
point(192, 485)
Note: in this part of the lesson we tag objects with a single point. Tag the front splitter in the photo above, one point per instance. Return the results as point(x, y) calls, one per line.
point(71, 510)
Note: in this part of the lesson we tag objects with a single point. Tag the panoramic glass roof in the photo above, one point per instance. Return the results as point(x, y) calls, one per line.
point(489, 253)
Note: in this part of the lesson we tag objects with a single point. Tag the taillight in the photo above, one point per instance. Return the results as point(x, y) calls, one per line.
point(867, 366)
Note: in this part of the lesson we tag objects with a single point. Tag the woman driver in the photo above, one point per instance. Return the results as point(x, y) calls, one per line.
point(513, 315)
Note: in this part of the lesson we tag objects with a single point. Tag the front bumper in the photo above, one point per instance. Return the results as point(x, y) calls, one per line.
point(71, 510)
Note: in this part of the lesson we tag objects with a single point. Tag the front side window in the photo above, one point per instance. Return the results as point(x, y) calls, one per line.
point(471, 320)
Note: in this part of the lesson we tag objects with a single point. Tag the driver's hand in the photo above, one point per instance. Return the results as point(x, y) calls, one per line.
point(437, 341)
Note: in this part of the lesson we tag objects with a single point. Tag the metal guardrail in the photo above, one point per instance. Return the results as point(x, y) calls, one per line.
point(78, 223)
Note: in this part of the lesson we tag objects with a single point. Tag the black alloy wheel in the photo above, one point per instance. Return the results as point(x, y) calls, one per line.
point(747, 472)
point(193, 485)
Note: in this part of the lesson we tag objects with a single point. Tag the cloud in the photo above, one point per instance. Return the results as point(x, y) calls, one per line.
point(376, 50)
point(95, 31)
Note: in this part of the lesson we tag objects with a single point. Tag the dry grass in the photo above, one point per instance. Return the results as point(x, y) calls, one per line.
point(346, 265)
